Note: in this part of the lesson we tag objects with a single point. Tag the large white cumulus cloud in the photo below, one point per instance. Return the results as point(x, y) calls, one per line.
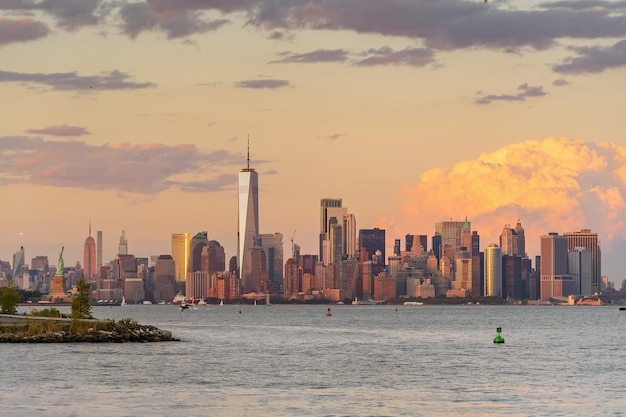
point(555, 184)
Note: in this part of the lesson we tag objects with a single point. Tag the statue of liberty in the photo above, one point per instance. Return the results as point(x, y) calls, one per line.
point(60, 265)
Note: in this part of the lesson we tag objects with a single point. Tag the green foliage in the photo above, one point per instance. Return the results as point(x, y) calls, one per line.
point(128, 321)
point(81, 305)
point(47, 312)
point(9, 300)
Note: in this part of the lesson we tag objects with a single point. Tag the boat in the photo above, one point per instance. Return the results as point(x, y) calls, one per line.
point(202, 302)
point(221, 303)
point(413, 303)
point(147, 302)
point(623, 308)
point(267, 299)
point(123, 301)
point(184, 306)
point(178, 299)
point(589, 302)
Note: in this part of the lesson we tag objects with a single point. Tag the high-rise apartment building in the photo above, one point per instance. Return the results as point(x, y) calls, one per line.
point(450, 232)
point(513, 241)
point(555, 281)
point(180, 254)
point(248, 231)
point(89, 258)
point(587, 239)
point(493, 270)
point(40, 263)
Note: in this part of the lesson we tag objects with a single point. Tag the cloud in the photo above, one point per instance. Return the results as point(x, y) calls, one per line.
point(335, 136)
point(61, 130)
point(319, 55)
point(593, 59)
point(71, 81)
point(21, 30)
point(555, 184)
point(132, 168)
point(271, 172)
point(260, 84)
point(441, 24)
point(560, 82)
point(525, 92)
point(175, 22)
point(415, 57)
point(70, 15)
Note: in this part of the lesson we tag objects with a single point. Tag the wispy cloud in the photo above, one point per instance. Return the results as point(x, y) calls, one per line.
point(594, 59)
point(319, 55)
point(21, 30)
point(61, 130)
point(71, 81)
point(335, 136)
point(415, 57)
point(560, 82)
point(262, 84)
point(132, 168)
point(525, 91)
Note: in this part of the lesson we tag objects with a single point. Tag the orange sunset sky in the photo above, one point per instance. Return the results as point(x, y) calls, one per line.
point(135, 114)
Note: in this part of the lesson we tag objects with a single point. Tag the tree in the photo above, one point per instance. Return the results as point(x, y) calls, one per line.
point(9, 299)
point(81, 305)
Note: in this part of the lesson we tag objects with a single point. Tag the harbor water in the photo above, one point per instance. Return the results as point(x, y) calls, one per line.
point(285, 360)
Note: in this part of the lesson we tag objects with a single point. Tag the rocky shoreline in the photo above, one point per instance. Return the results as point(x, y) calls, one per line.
point(89, 331)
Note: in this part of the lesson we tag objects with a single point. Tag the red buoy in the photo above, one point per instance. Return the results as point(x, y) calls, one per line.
point(328, 313)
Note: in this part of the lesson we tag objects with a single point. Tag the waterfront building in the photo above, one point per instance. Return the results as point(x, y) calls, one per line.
point(478, 266)
point(587, 239)
point(197, 285)
point(291, 279)
point(213, 258)
point(493, 270)
point(248, 221)
point(89, 257)
point(180, 254)
point(272, 244)
point(254, 277)
point(463, 271)
point(513, 286)
point(580, 267)
point(555, 281)
point(197, 243)
point(164, 279)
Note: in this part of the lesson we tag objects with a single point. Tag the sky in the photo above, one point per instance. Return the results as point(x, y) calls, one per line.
point(135, 115)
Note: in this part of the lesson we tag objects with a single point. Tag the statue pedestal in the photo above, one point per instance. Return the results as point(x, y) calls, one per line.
point(56, 287)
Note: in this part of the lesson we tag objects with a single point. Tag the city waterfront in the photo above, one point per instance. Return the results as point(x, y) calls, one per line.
point(363, 360)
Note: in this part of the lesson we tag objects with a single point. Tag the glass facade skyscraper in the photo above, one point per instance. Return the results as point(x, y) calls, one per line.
point(248, 231)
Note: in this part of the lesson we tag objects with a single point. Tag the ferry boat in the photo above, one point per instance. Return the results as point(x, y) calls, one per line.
point(589, 302)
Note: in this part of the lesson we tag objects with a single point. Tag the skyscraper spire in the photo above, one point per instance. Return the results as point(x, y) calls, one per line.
point(90, 227)
point(248, 165)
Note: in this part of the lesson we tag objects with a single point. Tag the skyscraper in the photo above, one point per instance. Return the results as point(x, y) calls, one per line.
point(180, 254)
point(272, 244)
point(122, 248)
point(197, 243)
point(89, 257)
point(248, 231)
point(372, 240)
point(19, 258)
point(555, 282)
point(493, 270)
point(587, 239)
point(329, 207)
point(98, 252)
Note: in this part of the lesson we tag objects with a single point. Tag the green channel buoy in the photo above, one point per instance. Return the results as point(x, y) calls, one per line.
point(498, 338)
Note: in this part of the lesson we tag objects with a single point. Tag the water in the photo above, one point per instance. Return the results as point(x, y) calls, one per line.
point(362, 361)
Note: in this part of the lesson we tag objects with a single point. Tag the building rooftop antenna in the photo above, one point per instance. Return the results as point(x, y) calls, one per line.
point(248, 152)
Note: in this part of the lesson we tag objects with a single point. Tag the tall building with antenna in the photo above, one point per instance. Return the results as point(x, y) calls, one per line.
point(89, 257)
point(122, 248)
point(248, 221)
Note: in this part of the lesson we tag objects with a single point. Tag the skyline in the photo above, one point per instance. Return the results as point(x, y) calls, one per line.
point(135, 115)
